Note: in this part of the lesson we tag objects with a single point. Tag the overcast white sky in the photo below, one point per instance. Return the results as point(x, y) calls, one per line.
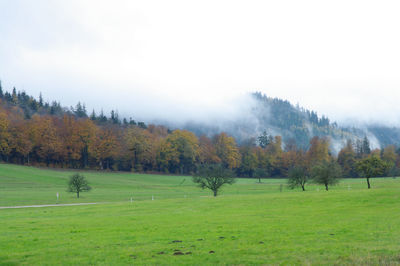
point(163, 59)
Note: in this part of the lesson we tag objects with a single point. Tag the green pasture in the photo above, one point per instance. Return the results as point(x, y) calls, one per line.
point(249, 223)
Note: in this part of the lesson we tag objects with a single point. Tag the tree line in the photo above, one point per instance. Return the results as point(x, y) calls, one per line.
point(37, 133)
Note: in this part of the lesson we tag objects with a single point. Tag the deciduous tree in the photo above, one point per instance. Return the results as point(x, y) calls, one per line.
point(227, 150)
point(213, 177)
point(372, 166)
point(298, 177)
point(347, 160)
point(77, 183)
point(318, 151)
point(326, 173)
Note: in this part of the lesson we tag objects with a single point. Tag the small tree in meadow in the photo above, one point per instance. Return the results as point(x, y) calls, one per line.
point(261, 173)
point(326, 173)
point(371, 166)
point(78, 183)
point(297, 177)
point(213, 177)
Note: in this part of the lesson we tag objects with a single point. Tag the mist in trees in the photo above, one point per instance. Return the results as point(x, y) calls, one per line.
point(36, 132)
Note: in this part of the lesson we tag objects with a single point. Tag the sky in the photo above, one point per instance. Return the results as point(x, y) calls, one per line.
point(182, 60)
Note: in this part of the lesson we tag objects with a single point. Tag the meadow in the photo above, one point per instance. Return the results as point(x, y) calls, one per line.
point(249, 223)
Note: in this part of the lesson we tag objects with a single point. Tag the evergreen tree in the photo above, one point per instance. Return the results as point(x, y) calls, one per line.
point(14, 96)
point(80, 110)
point(8, 97)
point(131, 121)
point(264, 140)
point(93, 116)
point(366, 149)
point(102, 117)
point(114, 117)
point(1, 91)
point(84, 110)
point(40, 100)
point(142, 125)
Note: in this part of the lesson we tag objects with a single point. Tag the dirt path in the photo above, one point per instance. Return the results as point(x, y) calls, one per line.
point(47, 205)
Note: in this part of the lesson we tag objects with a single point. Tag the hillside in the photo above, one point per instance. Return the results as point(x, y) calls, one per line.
point(34, 132)
point(279, 117)
point(295, 124)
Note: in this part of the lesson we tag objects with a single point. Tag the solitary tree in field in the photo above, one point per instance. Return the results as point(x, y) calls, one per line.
point(261, 173)
point(298, 177)
point(213, 177)
point(326, 173)
point(371, 166)
point(78, 183)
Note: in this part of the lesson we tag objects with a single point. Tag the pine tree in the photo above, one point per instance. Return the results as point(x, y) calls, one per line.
point(112, 115)
point(366, 149)
point(8, 97)
point(131, 121)
point(264, 139)
point(93, 116)
point(84, 110)
point(80, 110)
point(1, 91)
point(40, 100)
point(14, 97)
point(102, 117)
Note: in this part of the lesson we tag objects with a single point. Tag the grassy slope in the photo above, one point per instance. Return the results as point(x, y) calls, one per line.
point(29, 185)
point(315, 227)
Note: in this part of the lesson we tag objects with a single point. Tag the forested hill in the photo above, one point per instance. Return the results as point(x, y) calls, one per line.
point(36, 132)
point(301, 124)
point(274, 116)
point(22, 104)
point(295, 124)
point(277, 117)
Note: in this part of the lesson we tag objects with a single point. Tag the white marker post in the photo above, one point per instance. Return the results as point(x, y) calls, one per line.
point(152, 197)
point(57, 196)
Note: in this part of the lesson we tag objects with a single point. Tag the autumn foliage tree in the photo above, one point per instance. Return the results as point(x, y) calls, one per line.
point(36, 132)
point(318, 151)
point(227, 150)
point(179, 152)
point(105, 147)
point(347, 160)
point(4, 136)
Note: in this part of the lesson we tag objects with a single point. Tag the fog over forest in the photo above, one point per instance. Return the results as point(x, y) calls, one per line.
point(181, 61)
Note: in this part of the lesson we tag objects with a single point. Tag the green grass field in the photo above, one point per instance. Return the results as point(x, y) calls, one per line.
point(249, 223)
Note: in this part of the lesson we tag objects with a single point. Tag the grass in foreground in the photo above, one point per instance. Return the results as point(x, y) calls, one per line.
point(249, 224)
